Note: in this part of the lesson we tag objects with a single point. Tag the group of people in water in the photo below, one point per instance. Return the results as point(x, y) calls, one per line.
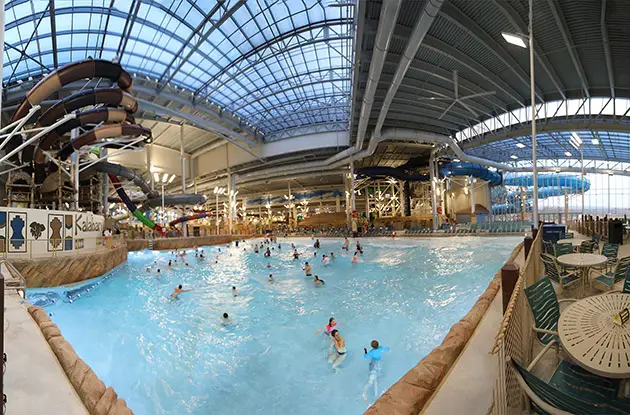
point(337, 350)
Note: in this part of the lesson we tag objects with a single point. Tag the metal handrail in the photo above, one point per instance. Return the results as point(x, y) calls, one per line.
point(15, 274)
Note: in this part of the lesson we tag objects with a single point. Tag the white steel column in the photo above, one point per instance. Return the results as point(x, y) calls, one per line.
point(105, 186)
point(353, 202)
point(337, 204)
point(347, 194)
point(289, 203)
point(1, 48)
point(367, 203)
point(147, 148)
point(582, 162)
point(609, 210)
point(566, 206)
point(533, 98)
point(183, 158)
point(473, 214)
point(433, 189)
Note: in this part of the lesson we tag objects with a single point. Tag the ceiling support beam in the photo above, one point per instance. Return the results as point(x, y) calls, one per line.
point(385, 30)
point(564, 31)
point(227, 15)
point(609, 66)
point(127, 29)
point(427, 17)
point(207, 19)
point(465, 23)
point(53, 32)
point(519, 26)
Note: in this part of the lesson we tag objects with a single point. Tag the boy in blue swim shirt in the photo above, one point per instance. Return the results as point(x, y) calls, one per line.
point(375, 355)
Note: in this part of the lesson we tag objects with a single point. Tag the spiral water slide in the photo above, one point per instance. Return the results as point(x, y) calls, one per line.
point(113, 119)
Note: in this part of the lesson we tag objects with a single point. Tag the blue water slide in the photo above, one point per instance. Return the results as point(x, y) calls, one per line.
point(572, 182)
point(470, 169)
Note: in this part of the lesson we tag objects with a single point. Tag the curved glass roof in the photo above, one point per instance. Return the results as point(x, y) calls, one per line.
point(279, 65)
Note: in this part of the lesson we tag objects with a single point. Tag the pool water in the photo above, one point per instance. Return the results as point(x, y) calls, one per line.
point(175, 357)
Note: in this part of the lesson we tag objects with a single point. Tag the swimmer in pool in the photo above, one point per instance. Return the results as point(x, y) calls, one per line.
point(317, 281)
point(307, 269)
point(355, 257)
point(346, 244)
point(296, 255)
point(158, 273)
point(234, 292)
point(178, 291)
point(375, 355)
point(328, 328)
point(225, 319)
point(326, 260)
point(148, 269)
point(332, 256)
point(270, 277)
point(338, 353)
point(169, 263)
point(267, 253)
point(268, 265)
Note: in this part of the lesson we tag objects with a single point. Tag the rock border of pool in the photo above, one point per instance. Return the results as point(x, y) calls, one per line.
point(97, 398)
point(410, 394)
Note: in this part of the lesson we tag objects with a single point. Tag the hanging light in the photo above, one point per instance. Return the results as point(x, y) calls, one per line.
point(171, 179)
point(156, 177)
point(165, 177)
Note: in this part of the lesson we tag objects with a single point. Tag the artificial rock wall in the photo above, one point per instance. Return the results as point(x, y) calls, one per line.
point(97, 398)
point(53, 272)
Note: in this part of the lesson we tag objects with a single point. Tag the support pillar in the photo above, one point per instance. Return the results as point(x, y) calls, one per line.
point(566, 206)
point(347, 194)
point(401, 198)
point(337, 204)
point(105, 186)
point(434, 181)
point(367, 203)
point(147, 149)
point(353, 203)
point(181, 151)
point(473, 214)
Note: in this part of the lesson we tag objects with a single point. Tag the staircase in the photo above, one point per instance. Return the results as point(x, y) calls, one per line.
point(13, 279)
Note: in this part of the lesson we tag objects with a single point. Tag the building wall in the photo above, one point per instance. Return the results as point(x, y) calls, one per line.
point(37, 233)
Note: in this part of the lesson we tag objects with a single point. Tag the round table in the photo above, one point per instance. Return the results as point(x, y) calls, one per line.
point(573, 241)
point(582, 261)
point(591, 337)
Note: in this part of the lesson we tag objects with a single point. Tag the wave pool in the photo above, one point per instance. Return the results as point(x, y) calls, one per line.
point(175, 357)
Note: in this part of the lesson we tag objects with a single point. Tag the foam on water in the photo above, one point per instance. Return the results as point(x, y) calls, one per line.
point(174, 357)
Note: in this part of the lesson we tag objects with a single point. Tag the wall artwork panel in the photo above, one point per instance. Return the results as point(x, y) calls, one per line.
point(67, 231)
point(55, 232)
point(17, 231)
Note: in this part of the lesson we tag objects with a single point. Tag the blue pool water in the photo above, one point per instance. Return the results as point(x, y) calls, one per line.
point(175, 358)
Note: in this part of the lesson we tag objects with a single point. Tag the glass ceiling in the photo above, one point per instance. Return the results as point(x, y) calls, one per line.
point(279, 65)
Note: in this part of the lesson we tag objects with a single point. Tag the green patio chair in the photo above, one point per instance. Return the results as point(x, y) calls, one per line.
point(587, 247)
point(556, 273)
point(571, 390)
point(545, 307)
point(606, 281)
point(548, 247)
point(563, 249)
point(610, 251)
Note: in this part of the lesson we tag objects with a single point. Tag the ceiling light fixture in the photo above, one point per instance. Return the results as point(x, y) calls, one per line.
point(520, 145)
point(595, 141)
point(515, 39)
point(575, 140)
point(514, 157)
point(568, 154)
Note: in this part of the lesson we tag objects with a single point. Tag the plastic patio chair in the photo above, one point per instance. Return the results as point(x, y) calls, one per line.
point(545, 307)
point(587, 247)
point(560, 276)
point(571, 390)
point(610, 251)
point(606, 281)
point(563, 249)
point(548, 247)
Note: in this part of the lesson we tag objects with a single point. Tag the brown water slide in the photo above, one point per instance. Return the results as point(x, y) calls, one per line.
point(83, 119)
point(102, 133)
point(110, 97)
point(85, 69)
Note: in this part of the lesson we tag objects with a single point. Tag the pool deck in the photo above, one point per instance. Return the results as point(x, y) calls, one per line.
point(34, 381)
point(467, 388)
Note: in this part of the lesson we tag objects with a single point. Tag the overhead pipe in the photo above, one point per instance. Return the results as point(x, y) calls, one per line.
point(430, 12)
point(384, 33)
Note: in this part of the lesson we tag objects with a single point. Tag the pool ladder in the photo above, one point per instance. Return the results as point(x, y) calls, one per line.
point(13, 279)
point(151, 243)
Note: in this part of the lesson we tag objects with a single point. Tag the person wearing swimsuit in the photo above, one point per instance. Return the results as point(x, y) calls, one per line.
point(338, 352)
point(328, 328)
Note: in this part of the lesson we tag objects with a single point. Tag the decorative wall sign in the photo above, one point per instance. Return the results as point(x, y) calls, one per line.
point(17, 225)
point(68, 222)
point(37, 229)
point(55, 225)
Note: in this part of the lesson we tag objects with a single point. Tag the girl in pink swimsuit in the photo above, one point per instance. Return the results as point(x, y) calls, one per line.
point(328, 328)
